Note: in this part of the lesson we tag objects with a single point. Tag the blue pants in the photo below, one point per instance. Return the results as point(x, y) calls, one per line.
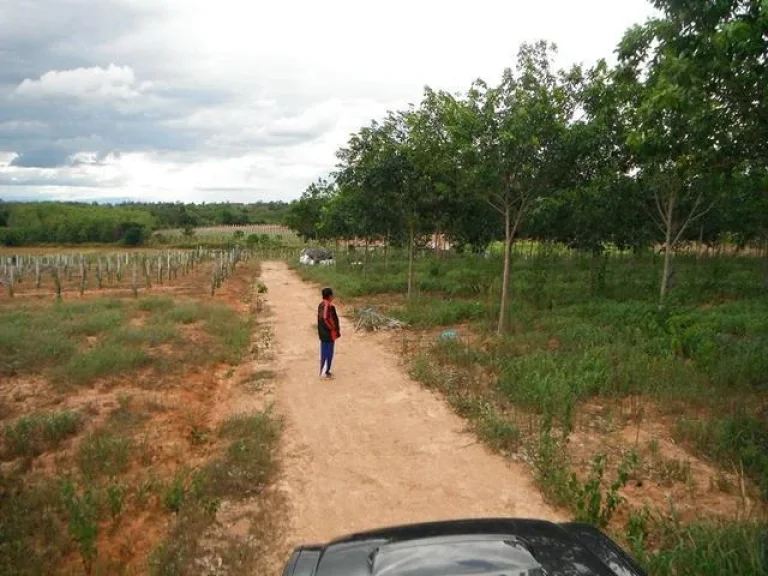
point(326, 356)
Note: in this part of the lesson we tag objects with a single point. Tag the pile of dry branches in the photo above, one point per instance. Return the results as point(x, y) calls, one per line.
point(370, 320)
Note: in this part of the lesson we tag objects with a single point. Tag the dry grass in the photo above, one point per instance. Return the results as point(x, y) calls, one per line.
point(95, 432)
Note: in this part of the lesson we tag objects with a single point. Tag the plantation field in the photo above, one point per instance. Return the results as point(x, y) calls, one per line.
point(60, 273)
point(648, 420)
point(260, 234)
point(132, 431)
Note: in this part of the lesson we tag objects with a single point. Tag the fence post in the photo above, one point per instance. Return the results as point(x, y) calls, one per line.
point(135, 282)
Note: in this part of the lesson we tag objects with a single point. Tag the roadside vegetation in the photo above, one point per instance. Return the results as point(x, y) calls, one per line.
point(650, 421)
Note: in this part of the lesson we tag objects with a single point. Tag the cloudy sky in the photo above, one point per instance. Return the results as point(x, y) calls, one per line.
point(243, 100)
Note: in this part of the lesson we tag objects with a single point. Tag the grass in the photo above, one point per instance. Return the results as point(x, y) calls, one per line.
point(103, 361)
point(43, 523)
point(103, 453)
point(126, 417)
point(32, 435)
point(583, 328)
point(247, 467)
point(462, 392)
point(77, 512)
point(580, 328)
point(739, 440)
point(33, 534)
point(80, 343)
point(230, 333)
point(427, 312)
point(701, 548)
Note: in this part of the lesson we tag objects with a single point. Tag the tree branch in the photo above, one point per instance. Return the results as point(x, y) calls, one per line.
point(496, 207)
point(659, 223)
point(693, 216)
point(664, 216)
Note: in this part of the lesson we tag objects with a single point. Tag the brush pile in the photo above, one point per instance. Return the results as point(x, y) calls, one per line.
point(370, 320)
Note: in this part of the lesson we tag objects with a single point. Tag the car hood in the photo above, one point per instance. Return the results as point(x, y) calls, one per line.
point(505, 547)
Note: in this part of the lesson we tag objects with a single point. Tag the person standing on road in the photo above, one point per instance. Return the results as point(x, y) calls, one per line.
point(329, 331)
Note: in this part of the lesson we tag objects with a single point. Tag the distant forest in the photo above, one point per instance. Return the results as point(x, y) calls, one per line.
point(23, 223)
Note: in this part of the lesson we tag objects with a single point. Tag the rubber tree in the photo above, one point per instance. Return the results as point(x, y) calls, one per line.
point(433, 150)
point(682, 150)
point(597, 202)
point(514, 136)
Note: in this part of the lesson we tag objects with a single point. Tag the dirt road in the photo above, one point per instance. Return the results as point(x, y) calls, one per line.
point(372, 447)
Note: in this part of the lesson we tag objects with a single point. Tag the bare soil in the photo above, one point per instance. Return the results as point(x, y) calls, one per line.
point(372, 448)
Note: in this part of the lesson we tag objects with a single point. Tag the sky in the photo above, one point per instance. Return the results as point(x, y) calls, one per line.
point(238, 100)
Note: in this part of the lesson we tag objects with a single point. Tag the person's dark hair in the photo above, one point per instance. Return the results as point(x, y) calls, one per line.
point(327, 293)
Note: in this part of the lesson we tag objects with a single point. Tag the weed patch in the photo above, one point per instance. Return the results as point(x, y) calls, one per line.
point(126, 416)
point(32, 435)
point(668, 547)
point(103, 454)
point(737, 440)
point(83, 523)
point(433, 312)
point(243, 471)
point(33, 536)
point(102, 361)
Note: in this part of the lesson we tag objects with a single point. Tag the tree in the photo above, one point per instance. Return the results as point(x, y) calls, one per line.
point(379, 177)
point(699, 109)
point(434, 151)
point(134, 234)
point(514, 137)
point(598, 202)
point(304, 216)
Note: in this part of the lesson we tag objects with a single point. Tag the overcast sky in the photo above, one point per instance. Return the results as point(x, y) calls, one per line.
point(243, 100)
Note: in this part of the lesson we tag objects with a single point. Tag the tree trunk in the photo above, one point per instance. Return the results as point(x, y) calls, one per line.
point(667, 247)
point(411, 241)
point(505, 276)
point(365, 258)
point(701, 243)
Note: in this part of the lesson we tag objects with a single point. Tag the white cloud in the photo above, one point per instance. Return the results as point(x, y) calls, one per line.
point(6, 158)
point(111, 83)
point(250, 100)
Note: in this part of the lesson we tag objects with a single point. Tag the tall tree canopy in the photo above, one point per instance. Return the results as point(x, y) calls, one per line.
point(669, 145)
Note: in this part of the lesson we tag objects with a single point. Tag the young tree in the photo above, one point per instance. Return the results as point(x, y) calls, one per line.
point(369, 186)
point(379, 165)
point(515, 135)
